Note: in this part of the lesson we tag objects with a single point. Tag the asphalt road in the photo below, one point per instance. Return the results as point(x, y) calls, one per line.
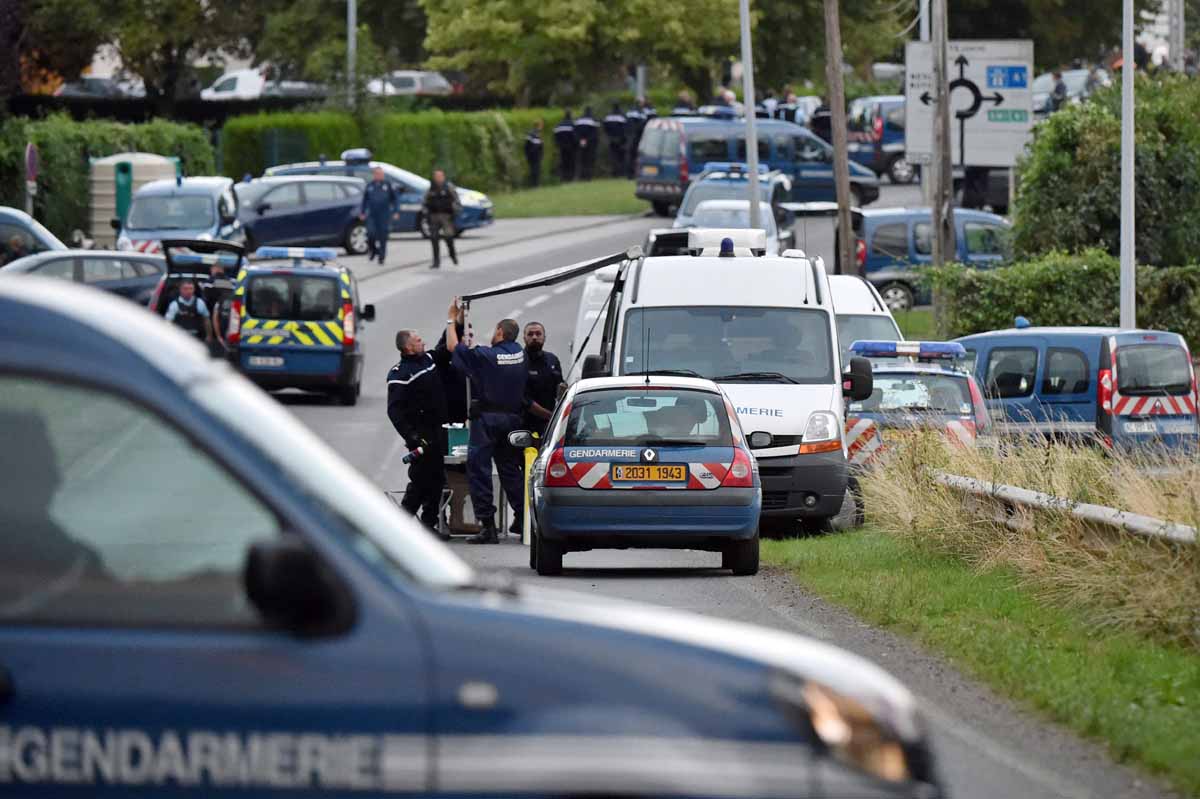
point(987, 748)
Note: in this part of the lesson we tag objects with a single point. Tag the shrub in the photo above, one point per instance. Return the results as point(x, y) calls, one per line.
point(65, 145)
point(1063, 289)
point(251, 143)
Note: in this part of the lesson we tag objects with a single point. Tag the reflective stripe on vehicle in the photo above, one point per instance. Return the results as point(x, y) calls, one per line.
point(306, 334)
point(862, 440)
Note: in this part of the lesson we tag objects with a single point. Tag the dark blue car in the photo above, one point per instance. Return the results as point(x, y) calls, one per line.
point(199, 594)
point(21, 235)
point(303, 210)
point(876, 136)
point(133, 275)
point(476, 206)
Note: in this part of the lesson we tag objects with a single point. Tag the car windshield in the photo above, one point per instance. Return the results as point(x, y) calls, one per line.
point(864, 327)
point(292, 297)
point(1153, 369)
point(916, 393)
point(654, 415)
point(717, 190)
point(766, 345)
point(166, 212)
point(723, 217)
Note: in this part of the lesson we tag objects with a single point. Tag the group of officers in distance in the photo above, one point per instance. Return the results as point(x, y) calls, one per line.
point(513, 387)
point(577, 141)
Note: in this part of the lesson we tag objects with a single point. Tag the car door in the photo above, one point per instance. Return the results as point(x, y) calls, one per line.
point(410, 200)
point(61, 268)
point(278, 217)
point(812, 169)
point(324, 212)
point(982, 244)
point(1067, 391)
point(132, 661)
point(1010, 380)
point(108, 273)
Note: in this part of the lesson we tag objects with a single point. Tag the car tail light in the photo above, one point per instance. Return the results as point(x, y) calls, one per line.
point(156, 296)
point(558, 473)
point(982, 420)
point(234, 334)
point(347, 325)
point(1105, 394)
point(741, 471)
point(877, 129)
point(860, 252)
point(684, 171)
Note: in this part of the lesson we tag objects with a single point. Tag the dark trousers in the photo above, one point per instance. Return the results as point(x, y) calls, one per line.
point(566, 165)
point(587, 162)
point(616, 157)
point(535, 172)
point(377, 237)
point(426, 478)
point(441, 226)
point(488, 443)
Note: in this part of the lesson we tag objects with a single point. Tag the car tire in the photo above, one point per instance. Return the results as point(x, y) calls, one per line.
point(741, 557)
point(355, 242)
point(897, 297)
point(661, 208)
point(900, 171)
point(348, 395)
point(548, 558)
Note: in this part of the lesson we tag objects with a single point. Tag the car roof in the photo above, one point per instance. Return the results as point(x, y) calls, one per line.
point(634, 382)
point(853, 295)
point(277, 266)
point(15, 214)
point(273, 179)
point(75, 252)
point(1077, 332)
point(339, 163)
point(196, 186)
point(923, 212)
point(727, 204)
point(762, 281)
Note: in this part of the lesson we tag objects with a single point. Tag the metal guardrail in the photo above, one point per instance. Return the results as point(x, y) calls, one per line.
point(1012, 497)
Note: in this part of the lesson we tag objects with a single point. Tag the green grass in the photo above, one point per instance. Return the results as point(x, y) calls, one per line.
point(1141, 698)
point(603, 197)
point(917, 324)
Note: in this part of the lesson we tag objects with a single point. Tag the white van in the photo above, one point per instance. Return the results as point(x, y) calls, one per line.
point(596, 289)
point(764, 328)
point(862, 315)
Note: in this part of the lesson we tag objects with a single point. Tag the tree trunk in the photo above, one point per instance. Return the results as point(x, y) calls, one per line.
point(841, 159)
point(11, 31)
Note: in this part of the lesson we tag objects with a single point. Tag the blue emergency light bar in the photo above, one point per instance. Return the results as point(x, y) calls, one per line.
point(732, 166)
point(921, 350)
point(321, 254)
point(208, 258)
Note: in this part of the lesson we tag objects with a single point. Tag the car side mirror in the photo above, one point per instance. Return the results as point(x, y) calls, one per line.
point(263, 208)
point(368, 313)
point(759, 439)
point(286, 581)
point(115, 224)
point(521, 439)
point(593, 366)
point(859, 381)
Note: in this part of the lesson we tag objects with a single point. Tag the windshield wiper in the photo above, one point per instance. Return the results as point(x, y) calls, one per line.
point(778, 377)
point(667, 372)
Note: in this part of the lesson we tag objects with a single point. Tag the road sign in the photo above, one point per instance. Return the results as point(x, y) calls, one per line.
point(991, 100)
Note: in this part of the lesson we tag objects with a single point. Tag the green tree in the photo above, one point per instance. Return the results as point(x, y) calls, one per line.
point(48, 38)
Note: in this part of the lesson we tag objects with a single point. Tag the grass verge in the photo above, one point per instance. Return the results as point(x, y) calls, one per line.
point(1140, 697)
point(917, 324)
point(595, 197)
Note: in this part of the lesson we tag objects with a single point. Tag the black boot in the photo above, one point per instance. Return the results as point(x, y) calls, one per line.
point(487, 535)
point(516, 527)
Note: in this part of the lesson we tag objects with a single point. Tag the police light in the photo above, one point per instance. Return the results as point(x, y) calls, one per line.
point(359, 155)
point(732, 166)
point(1020, 323)
point(206, 258)
point(921, 350)
point(321, 254)
point(746, 239)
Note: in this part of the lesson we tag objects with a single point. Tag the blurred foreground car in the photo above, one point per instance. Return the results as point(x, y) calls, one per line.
point(196, 591)
point(133, 275)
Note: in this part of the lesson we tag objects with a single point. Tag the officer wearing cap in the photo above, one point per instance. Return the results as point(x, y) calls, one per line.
point(416, 407)
point(564, 140)
point(498, 371)
point(614, 130)
point(635, 123)
point(587, 134)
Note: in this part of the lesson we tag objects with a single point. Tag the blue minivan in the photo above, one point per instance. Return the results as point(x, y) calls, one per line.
point(876, 137)
point(1126, 387)
point(672, 149)
point(200, 208)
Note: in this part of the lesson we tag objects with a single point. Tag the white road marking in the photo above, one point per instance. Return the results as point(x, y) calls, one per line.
point(514, 314)
point(564, 288)
point(536, 301)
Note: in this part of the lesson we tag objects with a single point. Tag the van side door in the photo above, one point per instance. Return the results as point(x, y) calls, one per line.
point(812, 169)
point(1067, 385)
point(1010, 372)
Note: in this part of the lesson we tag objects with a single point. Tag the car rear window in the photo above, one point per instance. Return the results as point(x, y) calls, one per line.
point(890, 241)
point(917, 393)
point(644, 417)
point(1150, 369)
point(708, 147)
point(296, 297)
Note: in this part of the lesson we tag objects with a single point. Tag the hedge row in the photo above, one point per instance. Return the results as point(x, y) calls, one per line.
point(1064, 289)
point(65, 145)
point(483, 150)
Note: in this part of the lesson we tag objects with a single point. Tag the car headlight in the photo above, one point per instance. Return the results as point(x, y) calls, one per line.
point(123, 242)
point(822, 426)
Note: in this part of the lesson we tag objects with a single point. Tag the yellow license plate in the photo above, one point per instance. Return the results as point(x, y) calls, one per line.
point(659, 472)
point(649, 170)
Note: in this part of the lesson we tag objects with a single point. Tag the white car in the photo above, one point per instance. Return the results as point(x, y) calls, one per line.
point(406, 82)
point(735, 214)
point(251, 84)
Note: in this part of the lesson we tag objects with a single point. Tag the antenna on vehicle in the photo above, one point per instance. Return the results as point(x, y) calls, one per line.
point(646, 354)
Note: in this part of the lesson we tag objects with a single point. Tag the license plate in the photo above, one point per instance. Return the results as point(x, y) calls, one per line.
point(265, 360)
point(1139, 427)
point(658, 473)
point(649, 170)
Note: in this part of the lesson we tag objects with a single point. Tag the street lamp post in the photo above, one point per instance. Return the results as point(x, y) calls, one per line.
point(351, 48)
point(1128, 250)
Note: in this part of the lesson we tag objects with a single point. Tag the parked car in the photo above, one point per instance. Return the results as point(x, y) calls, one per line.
point(183, 208)
point(251, 84)
point(476, 206)
point(302, 210)
point(735, 214)
point(1080, 84)
point(876, 137)
point(102, 88)
point(133, 275)
point(669, 149)
point(21, 235)
point(407, 82)
point(729, 181)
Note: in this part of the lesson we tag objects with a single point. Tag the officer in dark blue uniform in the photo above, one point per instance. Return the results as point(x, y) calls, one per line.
point(564, 140)
point(533, 153)
point(499, 373)
point(379, 202)
point(614, 130)
point(417, 408)
point(635, 123)
point(587, 136)
point(545, 375)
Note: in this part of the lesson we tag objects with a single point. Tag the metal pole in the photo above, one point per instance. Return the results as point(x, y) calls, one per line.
point(748, 103)
point(351, 49)
point(1175, 33)
point(923, 16)
point(926, 173)
point(1128, 251)
point(641, 81)
point(942, 145)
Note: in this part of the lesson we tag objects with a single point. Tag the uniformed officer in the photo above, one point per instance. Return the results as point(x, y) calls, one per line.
point(564, 140)
point(533, 152)
point(498, 371)
point(218, 296)
point(683, 105)
point(587, 134)
point(544, 376)
point(417, 408)
point(379, 202)
point(635, 123)
point(189, 312)
point(441, 207)
point(615, 131)
point(454, 384)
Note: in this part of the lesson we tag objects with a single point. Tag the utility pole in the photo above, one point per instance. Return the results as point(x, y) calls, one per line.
point(1128, 252)
point(926, 173)
point(841, 163)
point(1175, 33)
point(943, 174)
point(748, 104)
point(351, 50)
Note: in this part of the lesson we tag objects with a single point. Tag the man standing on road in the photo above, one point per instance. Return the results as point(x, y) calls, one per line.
point(417, 408)
point(441, 207)
point(498, 372)
point(533, 153)
point(564, 140)
point(189, 312)
point(615, 129)
point(543, 377)
point(379, 202)
point(587, 134)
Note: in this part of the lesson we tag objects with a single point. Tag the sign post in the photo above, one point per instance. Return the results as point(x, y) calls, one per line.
point(1128, 288)
point(31, 175)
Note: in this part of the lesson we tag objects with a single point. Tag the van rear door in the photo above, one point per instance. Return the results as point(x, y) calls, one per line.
point(292, 324)
point(1152, 389)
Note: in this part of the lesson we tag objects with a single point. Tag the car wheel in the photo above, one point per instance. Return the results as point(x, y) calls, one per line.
point(356, 238)
point(741, 557)
point(897, 297)
point(348, 395)
point(661, 208)
point(900, 171)
point(423, 226)
point(549, 555)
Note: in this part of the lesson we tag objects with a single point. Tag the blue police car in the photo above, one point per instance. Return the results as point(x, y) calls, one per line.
point(295, 322)
point(202, 208)
point(199, 595)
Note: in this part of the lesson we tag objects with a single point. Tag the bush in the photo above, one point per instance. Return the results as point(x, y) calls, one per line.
point(65, 146)
point(1069, 195)
point(1064, 289)
point(251, 143)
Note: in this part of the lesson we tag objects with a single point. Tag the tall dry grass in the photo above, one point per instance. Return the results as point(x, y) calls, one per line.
point(1116, 580)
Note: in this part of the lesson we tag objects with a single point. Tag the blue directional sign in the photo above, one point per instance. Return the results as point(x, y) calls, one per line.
point(1007, 77)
